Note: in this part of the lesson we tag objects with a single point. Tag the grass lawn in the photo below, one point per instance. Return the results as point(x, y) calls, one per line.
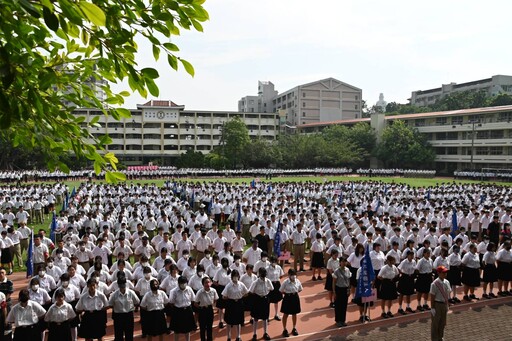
point(413, 182)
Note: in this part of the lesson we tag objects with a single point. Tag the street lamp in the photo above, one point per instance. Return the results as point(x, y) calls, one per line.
point(474, 123)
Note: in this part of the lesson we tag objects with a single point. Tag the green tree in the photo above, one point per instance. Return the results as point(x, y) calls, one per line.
point(191, 159)
point(363, 136)
point(234, 140)
point(498, 100)
point(258, 153)
point(404, 147)
point(51, 50)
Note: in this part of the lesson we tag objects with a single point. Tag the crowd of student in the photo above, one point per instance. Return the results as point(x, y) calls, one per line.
point(499, 175)
point(169, 172)
point(408, 173)
point(188, 254)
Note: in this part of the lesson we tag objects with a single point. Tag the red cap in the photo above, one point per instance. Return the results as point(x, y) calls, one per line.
point(441, 268)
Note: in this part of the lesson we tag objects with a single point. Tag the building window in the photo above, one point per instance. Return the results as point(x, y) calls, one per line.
point(451, 151)
point(303, 114)
point(441, 120)
point(497, 134)
point(419, 122)
point(496, 151)
point(303, 94)
point(303, 104)
point(357, 98)
point(481, 151)
point(457, 120)
point(356, 107)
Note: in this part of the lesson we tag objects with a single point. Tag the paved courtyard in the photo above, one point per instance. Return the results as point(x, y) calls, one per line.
point(477, 324)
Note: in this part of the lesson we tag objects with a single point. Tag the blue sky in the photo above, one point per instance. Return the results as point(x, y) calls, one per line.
point(393, 47)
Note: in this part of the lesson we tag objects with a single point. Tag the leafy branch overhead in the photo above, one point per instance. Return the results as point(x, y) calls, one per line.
point(53, 53)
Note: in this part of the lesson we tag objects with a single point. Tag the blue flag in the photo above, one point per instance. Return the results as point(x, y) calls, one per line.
point(73, 192)
point(352, 190)
point(210, 206)
point(340, 200)
point(454, 223)
point(385, 189)
point(174, 188)
point(30, 259)
point(366, 277)
point(253, 184)
point(269, 188)
point(239, 220)
point(483, 197)
point(53, 227)
point(65, 202)
point(277, 241)
point(377, 208)
point(428, 194)
point(192, 198)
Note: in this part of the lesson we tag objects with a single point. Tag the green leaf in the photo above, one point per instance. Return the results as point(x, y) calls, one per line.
point(156, 52)
point(150, 73)
point(125, 113)
point(152, 87)
point(50, 19)
point(171, 47)
point(119, 176)
point(93, 13)
point(188, 67)
point(173, 61)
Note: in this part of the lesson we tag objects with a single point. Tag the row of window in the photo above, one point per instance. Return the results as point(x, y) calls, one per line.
point(477, 150)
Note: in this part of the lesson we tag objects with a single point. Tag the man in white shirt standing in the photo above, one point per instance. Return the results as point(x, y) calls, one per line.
point(25, 317)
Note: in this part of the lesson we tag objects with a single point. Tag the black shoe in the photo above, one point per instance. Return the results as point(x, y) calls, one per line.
point(221, 325)
point(266, 337)
point(319, 278)
point(492, 295)
point(409, 310)
point(254, 338)
point(501, 293)
point(295, 332)
point(277, 318)
point(451, 300)
point(331, 305)
point(341, 324)
point(390, 314)
point(485, 296)
point(238, 339)
point(367, 318)
point(285, 333)
point(426, 307)
point(251, 321)
point(384, 315)
point(456, 300)
point(314, 278)
point(402, 312)
point(473, 297)
point(466, 298)
point(420, 308)
point(302, 270)
point(361, 319)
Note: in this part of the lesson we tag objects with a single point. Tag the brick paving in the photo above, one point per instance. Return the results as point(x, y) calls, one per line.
point(477, 324)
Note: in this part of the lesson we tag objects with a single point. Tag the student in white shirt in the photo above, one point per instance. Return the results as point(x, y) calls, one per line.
point(260, 289)
point(182, 319)
point(59, 317)
point(387, 290)
point(123, 302)
point(153, 319)
point(26, 313)
point(94, 306)
point(204, 302)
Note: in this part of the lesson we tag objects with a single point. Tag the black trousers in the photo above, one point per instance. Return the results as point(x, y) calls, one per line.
point(27, 333)
point(205, 323)
point(123, 326)
point(340, 304)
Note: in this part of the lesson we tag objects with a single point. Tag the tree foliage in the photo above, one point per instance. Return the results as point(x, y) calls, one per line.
point(403, 146)
point(51, 50)
point(454, 101)
point(234, 141)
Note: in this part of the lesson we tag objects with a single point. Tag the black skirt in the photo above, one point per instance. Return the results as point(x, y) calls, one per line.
point(353, 277)
point(454, 275)
point(490, 273)
point(406, 285)
point(182, 320)
point(387, 290)
point(154, 322)
point(260, 307)
point(275, 296)
point(6, 256)
point(471, 277)
point(423, 283)
point(505, 271)
point(317, 260)
point(248, 302)
point(291, 304)
point(76, 321)
point(93, 325)
point(234, 312)
point(221, 303)
point(328, 282)
point(59, 332)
